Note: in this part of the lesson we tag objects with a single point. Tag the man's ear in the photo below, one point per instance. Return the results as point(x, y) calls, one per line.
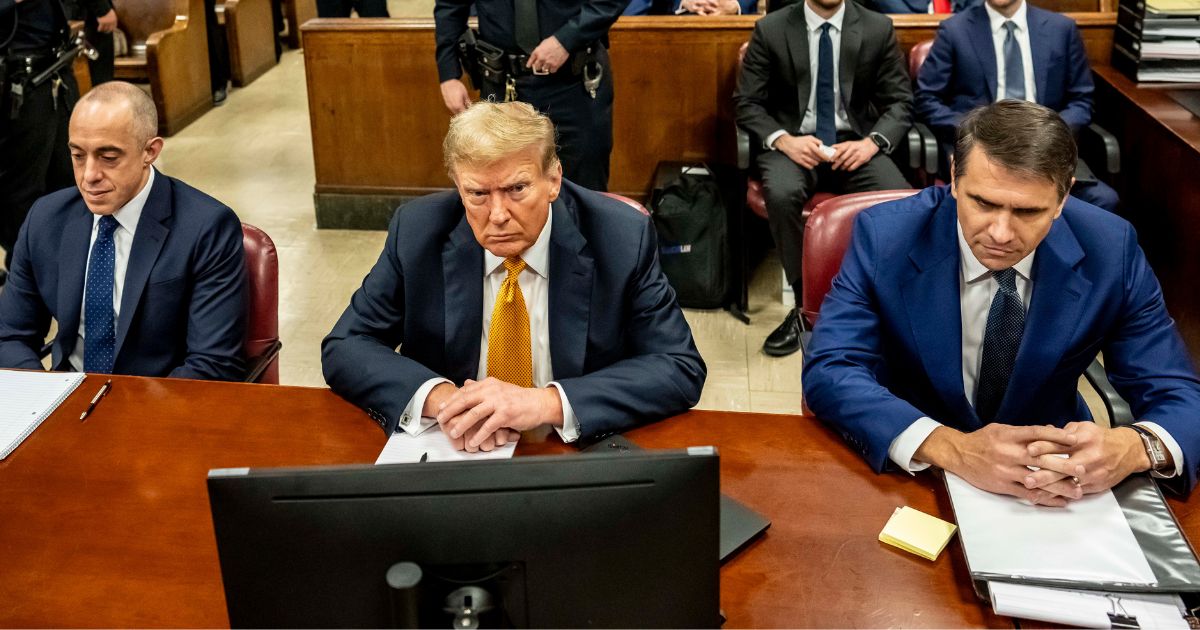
point(953, 190)
point(555, 176)
point(153, 149)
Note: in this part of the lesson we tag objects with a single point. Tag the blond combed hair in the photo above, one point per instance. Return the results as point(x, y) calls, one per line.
point(487, 132)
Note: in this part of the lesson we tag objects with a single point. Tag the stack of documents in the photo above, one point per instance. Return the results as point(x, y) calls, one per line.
point(1088, 609)
point(28, 399)
point(1155, 40)
point(433, 446)
point(917, 532)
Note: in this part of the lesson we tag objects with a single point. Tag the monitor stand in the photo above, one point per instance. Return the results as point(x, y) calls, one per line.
point(463, 597)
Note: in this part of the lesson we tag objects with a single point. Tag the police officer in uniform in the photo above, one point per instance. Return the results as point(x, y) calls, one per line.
point(34, 158)
point(551, 54)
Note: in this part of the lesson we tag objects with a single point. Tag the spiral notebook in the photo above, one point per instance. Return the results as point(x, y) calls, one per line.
point(28, 398)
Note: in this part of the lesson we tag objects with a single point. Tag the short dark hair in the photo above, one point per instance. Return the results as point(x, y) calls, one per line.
point(1020, 136)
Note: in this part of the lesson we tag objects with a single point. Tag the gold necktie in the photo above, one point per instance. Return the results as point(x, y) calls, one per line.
point(509, 356)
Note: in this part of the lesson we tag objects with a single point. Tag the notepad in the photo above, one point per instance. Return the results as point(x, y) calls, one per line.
point(917, 532)
point(435, 446)
point(27, 399)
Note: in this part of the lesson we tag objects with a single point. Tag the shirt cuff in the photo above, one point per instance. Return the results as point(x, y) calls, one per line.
point(769, 143)
point(569, 431)
point(904, 447)
point(1172, 446)
point(411, 421)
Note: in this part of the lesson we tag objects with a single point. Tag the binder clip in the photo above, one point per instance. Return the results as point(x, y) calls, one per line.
point(1119, 617)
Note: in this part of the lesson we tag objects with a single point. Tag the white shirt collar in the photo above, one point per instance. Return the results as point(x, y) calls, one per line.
point(127, 216)
point(537, 257)
point(997, 20)
point(814, 21)
point(973, 271)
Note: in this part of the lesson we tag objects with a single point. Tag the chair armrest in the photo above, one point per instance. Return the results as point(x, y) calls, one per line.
point(916, 147)
point(1094, 133)
point(743, 148)
point(259, 364)
point(1119, 413)
point(45, 351)
point(929, 150)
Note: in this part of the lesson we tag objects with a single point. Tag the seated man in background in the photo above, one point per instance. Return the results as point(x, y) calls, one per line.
point(521, 300)
point(962, 319)
point(1034, 55)
point(691, 7)
point(144, 274)
point(821, 123)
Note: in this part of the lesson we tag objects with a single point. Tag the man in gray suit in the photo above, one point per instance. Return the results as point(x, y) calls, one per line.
point(824, 90)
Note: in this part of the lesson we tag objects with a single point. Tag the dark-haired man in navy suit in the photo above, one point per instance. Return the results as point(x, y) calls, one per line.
point(962, 318)
point(1009, 49)
point(517, 302)
point(144, 274)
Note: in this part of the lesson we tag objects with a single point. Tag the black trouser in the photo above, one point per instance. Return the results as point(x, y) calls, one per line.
point(101, 69)
point(218, 48)
point(787, 186)
point(341, 8)
point(584, 124)
point(34, 159)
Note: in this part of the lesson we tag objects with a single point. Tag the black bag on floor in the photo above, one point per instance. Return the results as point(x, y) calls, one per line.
point(690, 216)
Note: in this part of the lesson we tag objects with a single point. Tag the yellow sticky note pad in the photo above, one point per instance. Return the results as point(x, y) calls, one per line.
point(917, 532)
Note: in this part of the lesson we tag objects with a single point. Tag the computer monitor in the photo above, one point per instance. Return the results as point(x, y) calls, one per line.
point(592, 540)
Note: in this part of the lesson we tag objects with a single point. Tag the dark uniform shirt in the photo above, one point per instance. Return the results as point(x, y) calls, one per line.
point(40, 25)
point(576, 23)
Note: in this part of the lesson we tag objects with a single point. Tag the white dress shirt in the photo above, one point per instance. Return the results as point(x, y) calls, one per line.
point(977, 288)
point(999, 33)
point(127, 219)
point(534, 281)
point(809, 124)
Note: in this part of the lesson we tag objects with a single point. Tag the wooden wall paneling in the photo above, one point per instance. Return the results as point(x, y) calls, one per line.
point(250, 31)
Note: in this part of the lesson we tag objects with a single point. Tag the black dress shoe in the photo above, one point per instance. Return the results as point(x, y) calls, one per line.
point(785, 339)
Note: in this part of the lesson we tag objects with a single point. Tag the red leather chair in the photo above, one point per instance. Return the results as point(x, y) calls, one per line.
point(825, 241)
point(633, 204)
point(261, 347)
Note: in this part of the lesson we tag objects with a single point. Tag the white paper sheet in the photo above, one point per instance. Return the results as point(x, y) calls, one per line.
point(1088, 541)
point(1088, 609)
point(405, 448)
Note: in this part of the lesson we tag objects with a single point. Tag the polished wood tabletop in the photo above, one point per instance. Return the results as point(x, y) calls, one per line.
point(106, 522)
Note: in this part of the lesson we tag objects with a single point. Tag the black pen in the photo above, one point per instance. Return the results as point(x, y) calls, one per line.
point(100, 394)
point(424, 456)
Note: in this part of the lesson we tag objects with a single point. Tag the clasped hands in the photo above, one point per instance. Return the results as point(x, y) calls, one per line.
point(482, 415)
point(999, 457)
point(806, 151)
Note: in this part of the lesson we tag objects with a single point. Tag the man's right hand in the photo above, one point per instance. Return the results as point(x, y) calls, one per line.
point(107, 23)
point(803, 150)
point(455, 95)
point(996, 458)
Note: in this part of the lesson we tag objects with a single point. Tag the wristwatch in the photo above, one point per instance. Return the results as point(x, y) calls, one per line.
point(1155, 449)
point(879, 141)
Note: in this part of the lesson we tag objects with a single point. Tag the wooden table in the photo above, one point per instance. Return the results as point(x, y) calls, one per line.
point(106, 522)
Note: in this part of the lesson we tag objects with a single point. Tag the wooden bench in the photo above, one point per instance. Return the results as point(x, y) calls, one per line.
point(249, 30)
point(168, 48)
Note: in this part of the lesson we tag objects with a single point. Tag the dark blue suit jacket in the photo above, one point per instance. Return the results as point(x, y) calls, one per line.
point(887, 348)
point(619, 345)
point(650, 7)
point(917, 6)
point(960, 72)
point(183, 305)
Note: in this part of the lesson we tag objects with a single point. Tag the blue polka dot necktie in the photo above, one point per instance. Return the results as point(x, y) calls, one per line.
point(826, 127)
point(1014, 64)
point(1001, 339)
point(99, 329)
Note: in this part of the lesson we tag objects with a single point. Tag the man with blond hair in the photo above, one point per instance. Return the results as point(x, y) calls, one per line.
point(516, 302)
point(144, 274)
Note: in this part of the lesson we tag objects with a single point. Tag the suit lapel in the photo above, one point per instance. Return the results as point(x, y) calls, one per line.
point(848, 62)
point(152, 231)
point(797, 42)
point(462, 269)
point(931, 298)
point(72, 268)
point(985, 52)
point(1053, 316)
point(1041, 62)
point(570, 296)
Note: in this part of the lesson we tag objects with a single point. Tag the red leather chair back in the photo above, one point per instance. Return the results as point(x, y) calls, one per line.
point(633, 204)
point(826, 237)
point(917, 56)
point(262, 304)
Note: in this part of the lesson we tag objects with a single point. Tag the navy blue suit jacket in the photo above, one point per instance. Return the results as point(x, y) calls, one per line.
point(651, 7)
point(887, 348)
point(917, 6)
point(183, 305)
point(619, 345)
point(960, 72)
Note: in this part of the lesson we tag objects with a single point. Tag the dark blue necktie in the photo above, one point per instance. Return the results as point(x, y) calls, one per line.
point(1005, 324)
point(1014, 64)
point(99, 329)
point(826, 131)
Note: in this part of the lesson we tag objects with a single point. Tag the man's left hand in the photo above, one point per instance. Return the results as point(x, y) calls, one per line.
point(853, 154)
point(711, 7)
point(107, 23)
point(492, 404)
point(548, 57)
point(1100, 458)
